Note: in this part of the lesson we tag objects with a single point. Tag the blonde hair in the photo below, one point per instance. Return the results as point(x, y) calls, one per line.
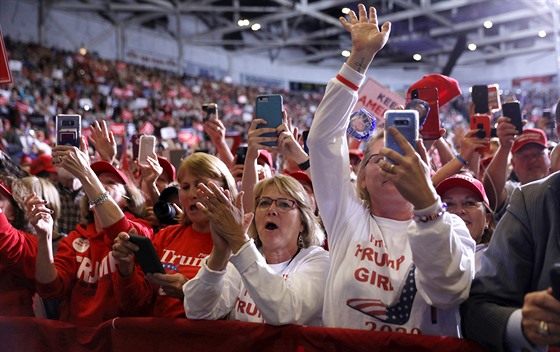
point(363, 193)
point(43, 188)
point(312, 233)
point(204, 165)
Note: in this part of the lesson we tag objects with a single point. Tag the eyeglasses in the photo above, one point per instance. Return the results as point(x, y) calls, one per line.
point(283, 204)
point(375, 158)
point(467, 205)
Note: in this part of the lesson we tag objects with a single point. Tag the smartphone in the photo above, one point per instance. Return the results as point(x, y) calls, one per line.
point(481, 123)
point(68, 130)
point(135, 141)
point(147, 147)
point(269, 108)
point(494, 101)
point(512, 110)
point(210, 112)
point(555, 280)
point(304, 136)
point(146, 255)
point(406, 121)
point(430, 128)
point(241, 153)
point(479, 96)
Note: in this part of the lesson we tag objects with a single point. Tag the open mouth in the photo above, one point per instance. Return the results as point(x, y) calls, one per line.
point(270, 226)
point(193, 207)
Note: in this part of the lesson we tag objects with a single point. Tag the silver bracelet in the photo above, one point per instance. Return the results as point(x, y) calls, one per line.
point(99, 200)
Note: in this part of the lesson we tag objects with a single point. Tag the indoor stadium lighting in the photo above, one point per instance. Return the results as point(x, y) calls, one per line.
point(488, 24)
point(83, 51)
point(256, 27)
point(345, 53)
point(472, 46)
point(345, 10)
point(417, 57)
point(542, 34)
point(243, 23)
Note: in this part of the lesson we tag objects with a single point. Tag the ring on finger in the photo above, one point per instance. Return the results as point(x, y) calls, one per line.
point(543, 328)
point(391, 169)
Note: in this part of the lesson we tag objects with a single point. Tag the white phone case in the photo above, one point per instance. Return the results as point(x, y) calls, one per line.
point(146, 147)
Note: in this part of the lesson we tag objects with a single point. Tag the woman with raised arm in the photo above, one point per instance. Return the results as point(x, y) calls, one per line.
point(399, 261)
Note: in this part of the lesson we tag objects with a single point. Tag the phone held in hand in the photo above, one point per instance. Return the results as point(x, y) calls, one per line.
point(241, 153)
point(147, 256)
point(481, 123)
point(432, 125)
point(486, 98)
point(406, 121)
point(210, 112)
point(512, 110)
point(68, 130)
point(269, 108)
point(146, 147)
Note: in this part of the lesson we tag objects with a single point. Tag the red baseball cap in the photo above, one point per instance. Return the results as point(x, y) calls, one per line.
point(266, 156)
point(464, 181)
point(168, 168)
point(43, 162)
point(530, 135)
point(301, 176)
point(102, 166)
point(448, 88)
point(26, 160)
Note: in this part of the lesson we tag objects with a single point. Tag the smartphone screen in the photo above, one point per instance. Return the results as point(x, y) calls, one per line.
point(406, 121)
point(479, 95)
point(430, 128)
point(68, 130)
point(241, 153)
point(210, 111)
point(135, 141)
point(269, 108)
point(512, 110)
point(146, 148)
point(304, 135)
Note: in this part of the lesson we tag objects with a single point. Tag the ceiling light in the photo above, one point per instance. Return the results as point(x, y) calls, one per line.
point(472, 46)
point(83, 51)
point(243, 23)
point(488, 24)
point(256, 27)
point(542, 34)
point(345, 53)
point(417, 57)
point(345, 10)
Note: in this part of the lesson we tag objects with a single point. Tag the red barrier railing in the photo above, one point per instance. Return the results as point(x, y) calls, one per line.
point(157, 334)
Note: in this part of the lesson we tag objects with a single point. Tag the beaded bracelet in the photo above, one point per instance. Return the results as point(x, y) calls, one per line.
point(99, 200)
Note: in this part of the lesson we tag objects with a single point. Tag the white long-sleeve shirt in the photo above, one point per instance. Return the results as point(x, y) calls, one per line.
point(251, 290)
point(386, 275)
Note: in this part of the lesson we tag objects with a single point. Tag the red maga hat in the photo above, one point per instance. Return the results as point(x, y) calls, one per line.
point(167, 167)
point(448, 88)
point(43, 162)
point(102, 166)
point(530, 135)
point(464, 181)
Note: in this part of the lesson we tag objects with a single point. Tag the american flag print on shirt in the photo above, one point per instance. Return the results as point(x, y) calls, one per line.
point(398, 313)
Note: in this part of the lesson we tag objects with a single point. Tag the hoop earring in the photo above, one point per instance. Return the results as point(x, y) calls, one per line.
point(300, 243)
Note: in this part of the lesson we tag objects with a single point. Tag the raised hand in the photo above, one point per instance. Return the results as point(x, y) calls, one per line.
point(103, 141)
point(367, 39)
point(39, 216)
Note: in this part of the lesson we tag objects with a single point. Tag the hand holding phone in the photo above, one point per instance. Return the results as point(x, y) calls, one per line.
point(210, 112)
point(68, 130)
point(512, 110)
point(269, 108)
point(241, 153)
point(147, 256)
point(481, 123)
point(406, 121)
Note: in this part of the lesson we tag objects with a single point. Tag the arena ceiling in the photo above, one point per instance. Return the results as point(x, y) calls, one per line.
point(302, 32)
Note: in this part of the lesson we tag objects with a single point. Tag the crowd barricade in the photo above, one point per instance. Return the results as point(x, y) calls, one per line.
point(160, 334)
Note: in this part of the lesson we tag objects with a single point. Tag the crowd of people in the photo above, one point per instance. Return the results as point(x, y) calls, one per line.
point(452, 236)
